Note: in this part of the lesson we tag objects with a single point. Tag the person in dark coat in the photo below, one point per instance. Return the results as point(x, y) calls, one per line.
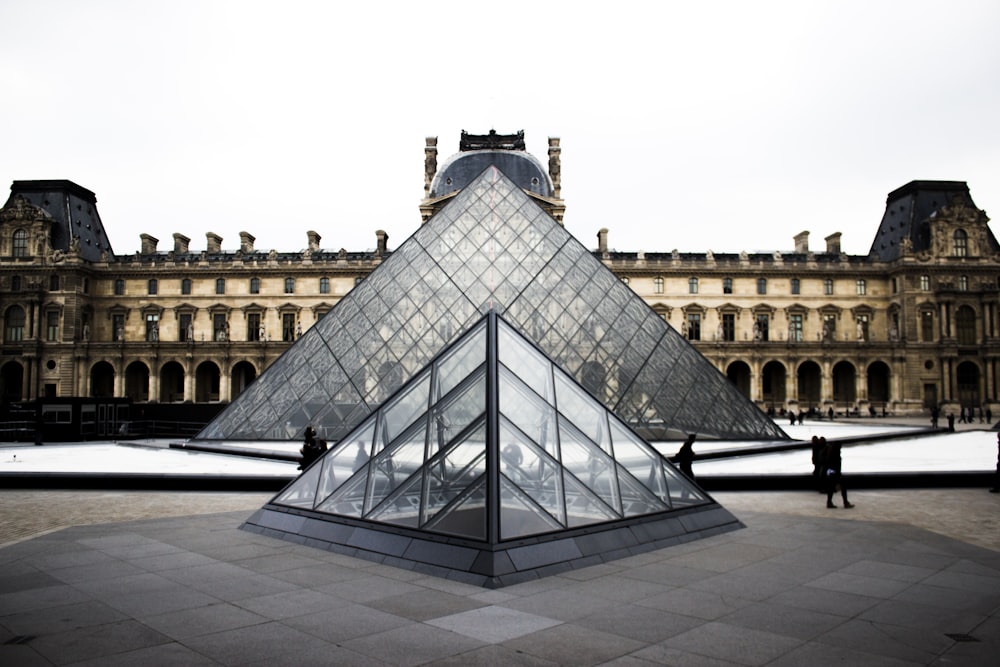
point(685, 456)
point(817, 459)
point(951, 422)
point(833, 475)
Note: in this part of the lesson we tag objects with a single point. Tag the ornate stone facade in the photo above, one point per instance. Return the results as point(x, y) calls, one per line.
point(912, 324)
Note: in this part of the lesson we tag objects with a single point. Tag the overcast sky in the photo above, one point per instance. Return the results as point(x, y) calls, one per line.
point(698, 125)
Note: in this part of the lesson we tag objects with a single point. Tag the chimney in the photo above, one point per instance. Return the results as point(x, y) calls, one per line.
point(181, 244)
point(214, 242)
point(802, 242)
point(833, 243)
point(246, 241)
point(602, 240)
point(430, 163)
point(148, 244)
point(555, 166)
point(382, 239)
point(313, 238)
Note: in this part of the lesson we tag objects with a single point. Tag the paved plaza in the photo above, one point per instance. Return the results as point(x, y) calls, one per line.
point(134, 578)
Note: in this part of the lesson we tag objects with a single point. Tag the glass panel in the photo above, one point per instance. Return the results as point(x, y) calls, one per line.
point(403, 506)
point(450, 473)
point(582, 411)
point(532, 470)
point(460, 362)
point(525, 362)
point(519, 516)
point(395, 464)
point(583, 507)
point(588, 464)
point(641, 461)
point(301, 492)
point(345, 460)
point(467, 517)
point(452, 418)
point(398, 415)
point(636, 498)
point(682, 492)
point(348, 500)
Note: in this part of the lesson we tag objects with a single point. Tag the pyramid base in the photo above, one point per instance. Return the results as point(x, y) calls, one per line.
point(491, 565)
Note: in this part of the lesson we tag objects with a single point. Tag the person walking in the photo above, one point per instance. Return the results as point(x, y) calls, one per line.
point(833, 475)
point(685, 456)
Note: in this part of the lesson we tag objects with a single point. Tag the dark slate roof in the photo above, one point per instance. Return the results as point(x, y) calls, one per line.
point(462, 168)
point(907, 210)
point(74, 212)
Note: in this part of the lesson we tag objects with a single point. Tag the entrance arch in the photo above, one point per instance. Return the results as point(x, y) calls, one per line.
point(878, 384)
point(171, 382)
point(809, 385)
point(739, 374)
point(12, 381)
point(773, 380)
point(102, 380)
point(243, 374)
point(137, 381)
point(967, 378)
point(845, 393)
point(206, 379)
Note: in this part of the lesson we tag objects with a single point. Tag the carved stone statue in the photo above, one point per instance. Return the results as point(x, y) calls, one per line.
point(86, 331)
point(154, 333)
point(756, 332)
point(860, 329)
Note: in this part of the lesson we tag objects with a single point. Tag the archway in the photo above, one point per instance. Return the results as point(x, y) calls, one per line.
point(171, 382)
point(967, 378)
point(809, 385)
point(206, 380)
point(102, 380)
point(773, 381)
point(243, 374)
point(12, 381)
point(878, 384)
point(845, 393)
point(137, 381)
point(739, 374)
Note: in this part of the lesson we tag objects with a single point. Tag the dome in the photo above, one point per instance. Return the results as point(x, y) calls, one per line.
point(520, 167)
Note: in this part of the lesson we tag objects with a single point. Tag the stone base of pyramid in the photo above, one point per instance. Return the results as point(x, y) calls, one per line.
point(491, 565)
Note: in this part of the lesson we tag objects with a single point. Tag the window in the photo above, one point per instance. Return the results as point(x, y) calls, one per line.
point(15, 283)
point(186, 328)
point(118, 326)
point(658, 285)
point(694, 326)
point(963, 283)
point(288, 327)
point(761, 326)
point(795, 327)
point(925, 283)
point(965, 325)
point(927, 326)
point(186, 286)
point(762, 286)
point(255, 285)
point(960, 246)
point(220, 285)
point(86, 285)
point(14, 321)
point(19, 245)
point(727, 285)
point(152, 286)
point(862, 327)
point(796, 285)
point(894, 289)
point(152, 327)
point(324, 285)
point(829, 326)
point(862, 287)
point(119, 287)
point(692, 285)
point(220, 326)
point(53, 283)
point(729, 326)
point(289, 285)
point(828, 286)
point(253, 327)
point(52, 325)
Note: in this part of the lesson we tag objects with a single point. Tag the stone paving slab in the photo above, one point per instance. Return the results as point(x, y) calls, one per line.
point(799, 585)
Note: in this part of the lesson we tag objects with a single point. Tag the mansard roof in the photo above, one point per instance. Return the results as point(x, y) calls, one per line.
point(74, 212)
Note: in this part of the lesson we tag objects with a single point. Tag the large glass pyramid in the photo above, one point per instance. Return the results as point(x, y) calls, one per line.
point(491, 465)
point(490, 248)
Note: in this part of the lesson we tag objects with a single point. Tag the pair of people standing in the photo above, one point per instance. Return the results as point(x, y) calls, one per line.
point(828, 470)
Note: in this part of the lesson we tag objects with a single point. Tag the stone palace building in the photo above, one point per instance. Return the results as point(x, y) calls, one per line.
point(912, 324)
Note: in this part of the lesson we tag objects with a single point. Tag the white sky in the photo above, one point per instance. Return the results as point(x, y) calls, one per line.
point(691, 125)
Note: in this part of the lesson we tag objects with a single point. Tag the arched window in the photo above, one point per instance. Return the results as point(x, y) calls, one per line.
point(255, 285)
point(19, 245)
point(14, 325)
point(692, 285)
point(960, 243)
point(965, 325)
point(324, 285)
point(289, 285)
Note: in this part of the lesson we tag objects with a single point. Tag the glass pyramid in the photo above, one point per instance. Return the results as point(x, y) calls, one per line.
point(490, 445)
point(490, 248)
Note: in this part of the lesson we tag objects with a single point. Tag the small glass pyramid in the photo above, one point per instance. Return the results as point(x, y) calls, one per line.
point(491, 248)
point(490, 445)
